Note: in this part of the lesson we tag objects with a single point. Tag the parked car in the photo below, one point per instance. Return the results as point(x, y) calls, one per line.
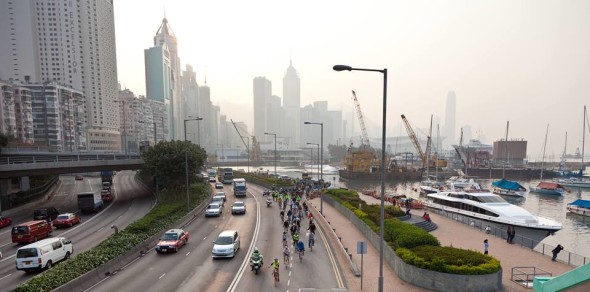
point(66, 220)
point(48, 214)
point(221, 194)
point(238, 208)
point(5, 221)
point(226, 244)
point(43, 254)
point(31, 231)
point(214, 209)
point(219, 186)
point(172, 241)
point(79, 177)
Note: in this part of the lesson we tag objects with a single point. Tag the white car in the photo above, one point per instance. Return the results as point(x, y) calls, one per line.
point(221, 194)
point(214, 209)
point(226, 245)
point(219, 199)
point(238, 207)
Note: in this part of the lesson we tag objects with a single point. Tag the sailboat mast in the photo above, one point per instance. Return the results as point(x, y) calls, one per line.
point(436, 152)
point(583, 140)
point(563, 158)
point(544, 146)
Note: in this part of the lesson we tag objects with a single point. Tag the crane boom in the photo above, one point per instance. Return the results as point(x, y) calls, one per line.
point(241, 138)
point(414, 140)
point(359, 114)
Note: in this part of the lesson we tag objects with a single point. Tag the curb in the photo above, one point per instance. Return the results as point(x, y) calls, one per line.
point(353, 267)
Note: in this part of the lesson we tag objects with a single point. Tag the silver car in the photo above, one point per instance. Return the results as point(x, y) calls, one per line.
point(214, 209)
point(238, 207)
point(226, 245)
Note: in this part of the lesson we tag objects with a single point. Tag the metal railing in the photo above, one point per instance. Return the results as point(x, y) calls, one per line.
point(4, 160)
point(565, 256)
point(526, 275)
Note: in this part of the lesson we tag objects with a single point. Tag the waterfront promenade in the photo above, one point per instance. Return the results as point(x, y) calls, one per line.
point(449, 232)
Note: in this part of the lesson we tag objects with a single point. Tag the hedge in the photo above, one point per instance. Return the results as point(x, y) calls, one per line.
point(414, 245)
point(165, 213)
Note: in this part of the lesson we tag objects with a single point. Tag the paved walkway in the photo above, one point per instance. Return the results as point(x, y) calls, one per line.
point(449, 232)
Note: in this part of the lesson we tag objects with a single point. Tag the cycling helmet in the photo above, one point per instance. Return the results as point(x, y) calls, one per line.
point(255, 249)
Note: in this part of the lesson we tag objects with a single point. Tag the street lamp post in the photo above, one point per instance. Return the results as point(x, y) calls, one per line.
point(382, 215)
point(191, 119)
point(321, 155)
point(316, 144)
point(247, 137)
point(275, 136)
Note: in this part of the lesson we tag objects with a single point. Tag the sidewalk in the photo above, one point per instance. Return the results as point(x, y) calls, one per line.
point(449, 232)
point(350, 235)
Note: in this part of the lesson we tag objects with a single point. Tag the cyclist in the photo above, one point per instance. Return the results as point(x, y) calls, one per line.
point(275, 265)
point(293, 228)
point(284, 238)
point(282, 215)
point(301, 248)
point(286, 254)
point(311, 242)
point(295, 238)
point(311, 227)
point(286, 225)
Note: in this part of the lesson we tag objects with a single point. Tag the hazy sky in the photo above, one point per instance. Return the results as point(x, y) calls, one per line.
point(527, 62)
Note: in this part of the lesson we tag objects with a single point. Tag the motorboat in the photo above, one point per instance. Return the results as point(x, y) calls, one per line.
point(490, 209)
point(430, 187)
point(574, 182)
point(549, 188)
point(580, 207)
point(508, 188)
point(460, 182)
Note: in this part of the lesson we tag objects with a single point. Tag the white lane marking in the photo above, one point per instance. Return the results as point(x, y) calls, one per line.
point(162, 276)
point(332, 259)
point(187, 254)
point(100, 229)
point(234, 283)
point(5, 277)
point(289, 282)
point(204, 237)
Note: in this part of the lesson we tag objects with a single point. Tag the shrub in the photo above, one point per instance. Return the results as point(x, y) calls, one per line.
point(401, 234)
point(449, 260)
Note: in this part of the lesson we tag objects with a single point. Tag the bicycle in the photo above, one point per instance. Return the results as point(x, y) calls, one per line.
point(311, 244)
point(286, 259)
point(275, 274)
point(301, 256)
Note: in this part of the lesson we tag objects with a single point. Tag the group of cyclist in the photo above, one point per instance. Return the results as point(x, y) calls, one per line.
point(293, 209)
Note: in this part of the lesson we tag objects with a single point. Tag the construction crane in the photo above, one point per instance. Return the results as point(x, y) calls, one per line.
point(359, 114)
point(414, 140)
point(255, 156)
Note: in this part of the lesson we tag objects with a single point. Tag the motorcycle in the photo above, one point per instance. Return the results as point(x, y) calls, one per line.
point(256, 265)
point(268, 202)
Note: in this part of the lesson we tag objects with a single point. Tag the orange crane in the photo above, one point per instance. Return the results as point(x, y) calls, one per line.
point(255, 155)
point(359, 114)
point(436, 162)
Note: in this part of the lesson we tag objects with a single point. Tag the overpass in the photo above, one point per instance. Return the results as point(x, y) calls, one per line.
point(23, 165)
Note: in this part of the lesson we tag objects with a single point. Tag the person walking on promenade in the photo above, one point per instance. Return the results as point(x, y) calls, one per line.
point(555, 251)
point(486, 246)
point(511, 234)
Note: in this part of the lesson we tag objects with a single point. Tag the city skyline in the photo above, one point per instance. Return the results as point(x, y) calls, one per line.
point(505, 61)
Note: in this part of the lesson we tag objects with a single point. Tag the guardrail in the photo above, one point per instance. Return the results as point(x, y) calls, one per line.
point(526, 275)
point(21, 159)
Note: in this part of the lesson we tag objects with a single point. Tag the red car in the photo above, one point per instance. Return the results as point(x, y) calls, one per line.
point(106, 196)
point(66, 220)
point(172, 241)
point(5, 221)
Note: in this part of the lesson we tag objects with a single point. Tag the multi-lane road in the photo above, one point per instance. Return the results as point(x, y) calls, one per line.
point(132, 201)
point(193, 269)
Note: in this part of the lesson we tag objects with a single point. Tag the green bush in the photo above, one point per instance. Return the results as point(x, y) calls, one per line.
point(164, 214)
point(400, 234)
point(449, 260)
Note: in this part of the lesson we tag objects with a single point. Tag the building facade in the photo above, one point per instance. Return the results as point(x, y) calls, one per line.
point(262, 93)
point(450, 115)
point(292, 105)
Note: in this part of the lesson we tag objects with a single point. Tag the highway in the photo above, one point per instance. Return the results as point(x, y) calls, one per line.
point(193, 269)
point(132, 201)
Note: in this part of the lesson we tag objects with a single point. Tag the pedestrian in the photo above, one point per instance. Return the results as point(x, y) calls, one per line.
point(486, 246)
point(555, 251)
point(511, 234)
point(408, 212)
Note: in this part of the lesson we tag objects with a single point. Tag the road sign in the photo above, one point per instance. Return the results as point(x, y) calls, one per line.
point(361, 247)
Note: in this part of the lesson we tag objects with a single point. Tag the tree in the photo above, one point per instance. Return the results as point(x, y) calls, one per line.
point(337, 152)
point(3, 141)
point(166, 160)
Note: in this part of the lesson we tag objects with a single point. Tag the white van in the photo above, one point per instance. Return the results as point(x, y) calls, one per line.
point(43, 254)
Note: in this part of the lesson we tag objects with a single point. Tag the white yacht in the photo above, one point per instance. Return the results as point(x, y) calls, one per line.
point(491, 209)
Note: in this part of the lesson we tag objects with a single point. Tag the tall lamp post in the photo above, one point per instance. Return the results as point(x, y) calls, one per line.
point(382, 216)
point(318, 145)
point(275, 136)
point(321, 154)
point(191, 119)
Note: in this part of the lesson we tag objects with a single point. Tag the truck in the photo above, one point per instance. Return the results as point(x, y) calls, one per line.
point(228, 175)
point(90, 202)
point(240, 187)
point(106, 176)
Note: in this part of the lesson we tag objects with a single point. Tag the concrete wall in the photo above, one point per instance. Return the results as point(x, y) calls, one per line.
point(421, 277)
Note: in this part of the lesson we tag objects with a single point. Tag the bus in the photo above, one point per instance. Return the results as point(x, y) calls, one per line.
point(228, 176)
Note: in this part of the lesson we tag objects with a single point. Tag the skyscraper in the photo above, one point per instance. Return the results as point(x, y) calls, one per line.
point(71, 44)
point(158, 81)
point(262, 93)
point(190, 103)
point(292, 105)
point(164, 35)
point(449, 129)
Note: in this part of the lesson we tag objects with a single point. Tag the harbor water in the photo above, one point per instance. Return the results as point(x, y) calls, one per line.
point(575, 235)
